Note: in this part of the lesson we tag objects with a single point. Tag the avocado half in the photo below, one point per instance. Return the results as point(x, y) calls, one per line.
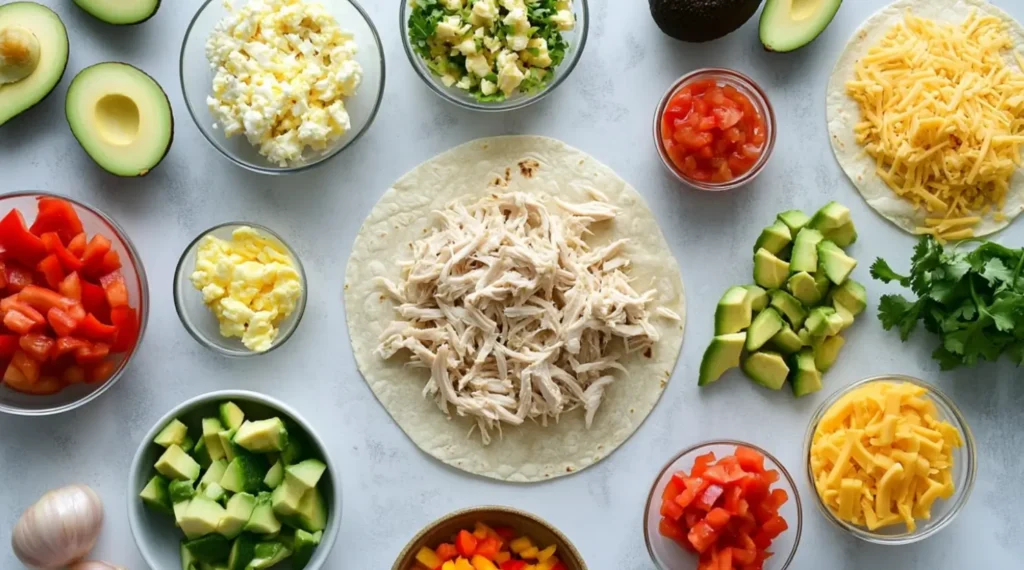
point(121, 118)
point(120, 12)
point(701, 20)
point(51, 38)
point(787, 25)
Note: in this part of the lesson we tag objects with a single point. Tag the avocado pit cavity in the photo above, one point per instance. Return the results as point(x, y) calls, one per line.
point(19, 54)
point(117, 119)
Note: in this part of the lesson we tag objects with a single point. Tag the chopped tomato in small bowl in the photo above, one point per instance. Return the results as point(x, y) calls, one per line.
point(715, 129)
point(723, 505)
point(73, 303)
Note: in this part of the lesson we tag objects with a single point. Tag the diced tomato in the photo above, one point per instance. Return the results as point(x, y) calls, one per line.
point(17, 277)
point(69, 345)
point(707, 123)
point(92, 259)
point(37, 346)
point(446, 551)
point(94, 299)
point(465, 543)
point(59, 216)
point(77, 245)
point(699, 87)
point(488, 548)
point(92, 354)
point(100, 372)
point(18, 242)
point(750, 460)
point(53, 244)
point(91, 328)
point(115, 289)
point(726, 117)
point(71, 287)
point(43, 299)
point(51, 270)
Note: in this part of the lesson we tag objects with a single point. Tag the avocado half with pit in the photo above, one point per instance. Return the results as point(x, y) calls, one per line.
point(33, 56)
point(120, 12)
point(787, 25)
point(121, 117)
point(701, 20)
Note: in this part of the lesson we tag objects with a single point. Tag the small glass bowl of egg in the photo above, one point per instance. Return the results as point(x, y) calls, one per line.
point(240, 289)
point(927, 408)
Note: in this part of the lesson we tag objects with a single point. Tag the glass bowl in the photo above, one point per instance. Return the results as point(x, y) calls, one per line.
point(576, 38)
point(667, 555)
point(197, 318)
point(744, 85)
point(965, 463)
point(155, 533)
point(446, 527)
point(197, 81)
point(93, 221)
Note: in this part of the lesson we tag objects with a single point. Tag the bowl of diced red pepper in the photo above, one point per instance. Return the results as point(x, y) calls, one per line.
point(490, 538)
point(723, 505)
point(73, 303)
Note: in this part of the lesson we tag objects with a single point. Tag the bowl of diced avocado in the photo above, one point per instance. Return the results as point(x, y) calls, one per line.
point(233, 480)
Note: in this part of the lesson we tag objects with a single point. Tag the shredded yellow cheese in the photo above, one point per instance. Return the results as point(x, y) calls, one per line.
point(880, 457)
point(942, 114)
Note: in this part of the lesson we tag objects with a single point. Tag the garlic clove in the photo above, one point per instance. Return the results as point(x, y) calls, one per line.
point(60, 528)
point(94, 565)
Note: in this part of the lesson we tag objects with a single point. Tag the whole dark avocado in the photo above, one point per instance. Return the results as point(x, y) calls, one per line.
point(701, 20)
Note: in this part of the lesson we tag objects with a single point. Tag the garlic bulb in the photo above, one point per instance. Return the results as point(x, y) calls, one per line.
point(94, 565)
point(60, 528)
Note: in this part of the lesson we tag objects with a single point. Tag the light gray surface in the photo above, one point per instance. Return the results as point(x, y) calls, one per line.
point(391, 489)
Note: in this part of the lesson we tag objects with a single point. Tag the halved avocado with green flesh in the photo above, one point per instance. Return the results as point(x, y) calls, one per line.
point(787, 25)
point(120, 12)
point(121, 117)
point(33, 56)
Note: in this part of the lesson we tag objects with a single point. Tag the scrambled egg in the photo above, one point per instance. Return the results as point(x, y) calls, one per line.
point(283, 69)
point(250, 283)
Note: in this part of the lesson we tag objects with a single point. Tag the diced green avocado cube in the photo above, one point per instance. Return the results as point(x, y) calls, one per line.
point(231, 415)
point(304, 546)
point(216, 492)
point(795, 220)
point(831, 216)
point(201, 454)
point(312, 512)
point(188, 562)
point(155, 495)
point(852, 295)
point(238, 512)
point(774, 238)
point(789, 306)
point(181, 491)
point(722, 354)
point(202, 517)
point(286, 498)
point(263, 520)
point(173, 433)
point(213, 565)
point(768, 369)
point(765, 326)
point(176, 464)
point(802, 286)
point(758, 298)
point(306, 474)
point(231, 449)
point(733, 312)
point(212, 548)
point(845, 315)
point(817, 322)
point(826, 353)
point(262, 436)
point(275, 475)
point(243, 475)
point(834, 261)
point(821, 283)
point(805, 377)
point(179, 512)
point(269, 554)
point(243, 550)
point(297, 449)
point(786, 340)
point(214, 473)
point(211, 436)
point(187, 444)
point(834, 324)
point(770, 272)
point(843, 236)
point(805, 251)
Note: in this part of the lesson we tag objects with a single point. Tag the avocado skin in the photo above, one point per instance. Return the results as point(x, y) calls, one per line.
point(146, 19)
point(67, 58)
point(701, 20)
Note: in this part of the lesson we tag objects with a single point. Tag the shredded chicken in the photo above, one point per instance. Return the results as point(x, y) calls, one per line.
point(515, 316)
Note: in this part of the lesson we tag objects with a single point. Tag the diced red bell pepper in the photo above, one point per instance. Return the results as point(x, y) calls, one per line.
point(42, 386)
point(725, 559)
point(61, 322)
point(706, 501)
point(749, 459)
point(53, 244)
point(115, 289)
point(559, 566)
point(71, 286)
point(43, 299)
point(18, 242)
point(3, 275)
point(16, 321)
point(9, 344)
point(91, 328)
point(59, 216)
point(94, 299)
point(513, 565)
point(92, 354)
point(700, 464)
point(92, 259)
point(673, 487)
point(671, 509)
point(127, 323)
point(100, 372)
point(37, 346)
point(51, 270)
point(488, 548)
point(508, 534)
point(744, 555)
point(77, 245)
point(776, 499)
point(28, 366)
point(671, 530)
point(111, 262)
point(702, 536)
point(69, 345)
point(445, 551)
point(17, 277)
point(724, 474)
point(771, 476)
point(73, 374)
point(465, 543)
point(718, 518)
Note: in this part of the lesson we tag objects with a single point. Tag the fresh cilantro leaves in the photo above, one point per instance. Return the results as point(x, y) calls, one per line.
point(974, 301)
point(423, 24)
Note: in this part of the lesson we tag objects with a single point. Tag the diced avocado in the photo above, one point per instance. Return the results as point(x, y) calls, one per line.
point(286, 498)
point(173, 433)
point(834, 324)
point(765, 326)
point(733, 312)
point(231, 415)
point(768, 369)
point(306, 474)
point(803, 287)
point(275, 475)
point(212, 548)
point(852, 295)
point(188, 562)
point(155, 495)
point(298, 448)
point(826, 353)
point(758, 298)
point(214, 473)
point(211, 436)
point(787, 305)
point(216, 492)
point(834, 261)
point(201, 454)
point(805, 251)
point(843, 236)
point(722, 354)
point(238, 511)
point(263, 520)
point(817, 322)
point(262, 436)
point(304, 546)
point(312, 514)
point(845, 314)
point(805, 378)
point(202, 517)
point(223, 565)
point(831, 216)
point(787, 25)
point(795, 220)
point(243, 475)
point(770, 272)
point(774, 238)
point(231, 449)
point(179, 512)
point(786, 341)
point(243, 550)
point(269, 554)
point(821, 283)
point(187, 444)
point(176, 464)
point(180, 491)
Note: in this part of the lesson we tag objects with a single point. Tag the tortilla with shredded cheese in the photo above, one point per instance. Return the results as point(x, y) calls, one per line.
point(514, 306)
point(926, 116)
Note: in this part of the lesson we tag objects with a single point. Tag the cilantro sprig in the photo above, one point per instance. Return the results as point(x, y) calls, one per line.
point(974, 301)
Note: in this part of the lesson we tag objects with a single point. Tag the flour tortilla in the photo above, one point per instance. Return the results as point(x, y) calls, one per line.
point(530, 452)
point(843, 112)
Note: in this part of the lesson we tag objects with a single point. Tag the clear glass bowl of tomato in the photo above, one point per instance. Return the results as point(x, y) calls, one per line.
point(73, 366)
point(715, 129)
point(669, 554)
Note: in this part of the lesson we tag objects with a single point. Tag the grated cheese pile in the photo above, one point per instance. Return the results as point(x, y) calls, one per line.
point(942, 114)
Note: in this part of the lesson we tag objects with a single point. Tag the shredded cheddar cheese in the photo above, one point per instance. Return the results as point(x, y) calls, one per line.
point(942, 114)
point(880, 457)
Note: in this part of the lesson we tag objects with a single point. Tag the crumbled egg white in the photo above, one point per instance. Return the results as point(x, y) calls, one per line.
point(283, 69)
point(250, 283)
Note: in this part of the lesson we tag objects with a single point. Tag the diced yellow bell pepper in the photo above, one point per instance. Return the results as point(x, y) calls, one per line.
point(481, 563)
point(530, 553)
point(482, 531)
point(546, 553)
point(462, 564)
point(518, 545)
point(448, 565)
point(428, 558)
point(502, 557)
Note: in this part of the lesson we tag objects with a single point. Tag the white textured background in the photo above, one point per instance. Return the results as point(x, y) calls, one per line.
point(391, 489)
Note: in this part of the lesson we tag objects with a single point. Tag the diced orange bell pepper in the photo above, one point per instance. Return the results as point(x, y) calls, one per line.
point(445, 551)
point(465, 543)
point(481, 563)
point(503, 557)
point(488, 547)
